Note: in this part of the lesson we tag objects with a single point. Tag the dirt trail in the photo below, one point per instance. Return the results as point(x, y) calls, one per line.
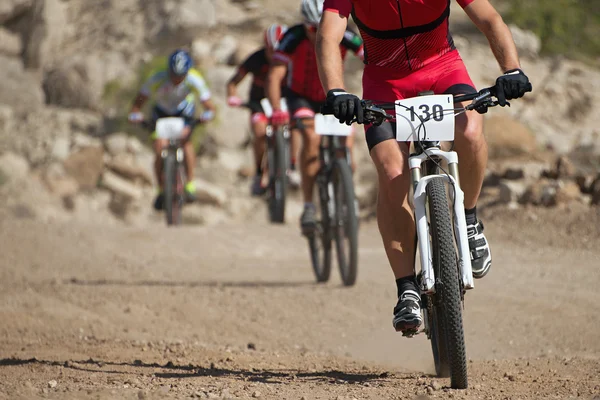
point(233, 312)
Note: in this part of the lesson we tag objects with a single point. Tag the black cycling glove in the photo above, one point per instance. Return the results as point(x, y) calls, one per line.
point(512, 85)
point(345, 106)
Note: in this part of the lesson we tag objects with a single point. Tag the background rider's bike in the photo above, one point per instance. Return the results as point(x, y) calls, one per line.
point(438, 205)
point(337, 211)
point(277, 163)
point(171, 129)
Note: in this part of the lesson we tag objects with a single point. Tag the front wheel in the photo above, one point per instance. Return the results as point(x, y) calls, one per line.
point(173, 189)
point(320, 240)
point(447, 300)
point(346, 222)
point(278, 181)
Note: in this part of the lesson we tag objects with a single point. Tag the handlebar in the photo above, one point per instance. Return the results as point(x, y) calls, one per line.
point(375, 113)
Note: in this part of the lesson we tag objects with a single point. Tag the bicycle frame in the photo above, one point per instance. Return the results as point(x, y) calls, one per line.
point(420, 182)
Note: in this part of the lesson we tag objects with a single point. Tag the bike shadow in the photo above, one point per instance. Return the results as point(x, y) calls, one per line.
point(175, 371)
point(187, 284)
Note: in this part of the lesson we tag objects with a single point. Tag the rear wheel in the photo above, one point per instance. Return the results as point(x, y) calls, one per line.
point(447, 301)
point(346, 222)
point(319, 242)
point(277, 185)
point(173, 190)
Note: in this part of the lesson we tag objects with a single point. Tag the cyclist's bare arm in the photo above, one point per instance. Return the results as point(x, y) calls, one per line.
point(491, 24)
point(275, 77)
point(329, 59)
point(234, 81)
point(139, 102)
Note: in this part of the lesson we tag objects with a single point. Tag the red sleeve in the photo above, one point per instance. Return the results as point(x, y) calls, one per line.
point(342, 7)
point(464, 3)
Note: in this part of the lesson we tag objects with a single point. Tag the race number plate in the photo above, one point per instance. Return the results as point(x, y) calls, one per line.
point(427, 118)
point(170, 128)
point(266, 105)
point(329, 125)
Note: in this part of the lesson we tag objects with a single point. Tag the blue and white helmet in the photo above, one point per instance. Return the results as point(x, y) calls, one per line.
point(180, 62)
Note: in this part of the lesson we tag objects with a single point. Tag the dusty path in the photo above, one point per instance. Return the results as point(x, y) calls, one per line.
point(232, 312)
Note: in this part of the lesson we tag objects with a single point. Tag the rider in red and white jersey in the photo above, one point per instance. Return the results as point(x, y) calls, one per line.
point(257, 64)
point(295, 59)
point(408, 49)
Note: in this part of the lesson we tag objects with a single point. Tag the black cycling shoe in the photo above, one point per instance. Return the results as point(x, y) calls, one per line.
point(159, 202)
point(407, 313)
point(308, 221)
point(481, 256)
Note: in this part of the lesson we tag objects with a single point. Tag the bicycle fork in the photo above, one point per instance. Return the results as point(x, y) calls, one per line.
point(460, 225)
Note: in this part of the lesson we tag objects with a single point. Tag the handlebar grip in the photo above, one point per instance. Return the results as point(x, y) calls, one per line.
point(326, 110)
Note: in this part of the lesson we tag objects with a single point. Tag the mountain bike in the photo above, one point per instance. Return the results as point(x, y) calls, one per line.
point(438, 205)
point(337, 214)
point(171, 129)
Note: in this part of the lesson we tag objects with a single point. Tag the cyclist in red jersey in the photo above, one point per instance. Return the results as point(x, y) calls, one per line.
point(408, 49)
point(295, 58)
point(257, 64)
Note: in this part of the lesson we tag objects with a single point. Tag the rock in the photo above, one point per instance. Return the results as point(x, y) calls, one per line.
point(13, 167)
point(528, 44)
point(201, 52)
point(435, 385)
point(209, 193)
point(85, 166)
point(256, 394)
point(511, 191)
point(60, 148)
point(117, 143)
point(125, 165)
point(565, 168)
point(68, 86)
point(10, 9)
point(507, 137)
point(7, 120)
point(118, 185)
point(585, 183)
point(44, 31)
point(52, 384)
point(513, 173)
point(81, 140)
point(224, 49)
point(567, 192)
point(542, 192)
point(62, 186)
point(15, 79)
point(10, 43)
point(190, 17)
point(134, 145)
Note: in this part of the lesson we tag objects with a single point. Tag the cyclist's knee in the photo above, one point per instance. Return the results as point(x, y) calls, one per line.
point(470, 129)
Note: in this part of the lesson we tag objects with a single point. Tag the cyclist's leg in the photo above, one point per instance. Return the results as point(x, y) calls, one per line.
point(259, 122)
point(472, 150)
point(469, 141)
point(309, 154)
point(158, 145)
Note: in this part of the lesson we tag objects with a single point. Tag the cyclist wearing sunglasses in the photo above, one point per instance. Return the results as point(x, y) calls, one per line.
point(409, 50)
point(295, 58)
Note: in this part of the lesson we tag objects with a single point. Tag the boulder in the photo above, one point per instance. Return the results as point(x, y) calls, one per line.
point(60, 148)
point(567, 191)
point(86, 166)
point(10, 43)
point(120, 186)
point(10, 9)
point(13, 167)
point(117, 143)
point(68, 86)
point(224, 50)
point(201, 52)
point(190, 17)
point(81, 140)
point(210, 193)
point(507, 137)
point(15, 79)
point(511, 191)
point(44, 31)
point(126, 166)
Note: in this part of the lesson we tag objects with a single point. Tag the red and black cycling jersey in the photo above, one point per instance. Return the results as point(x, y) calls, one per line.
point(258, 66)
point(400, 34)
point(297, 51)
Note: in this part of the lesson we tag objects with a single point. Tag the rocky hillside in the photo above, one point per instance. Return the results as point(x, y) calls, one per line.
point(63, 155)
